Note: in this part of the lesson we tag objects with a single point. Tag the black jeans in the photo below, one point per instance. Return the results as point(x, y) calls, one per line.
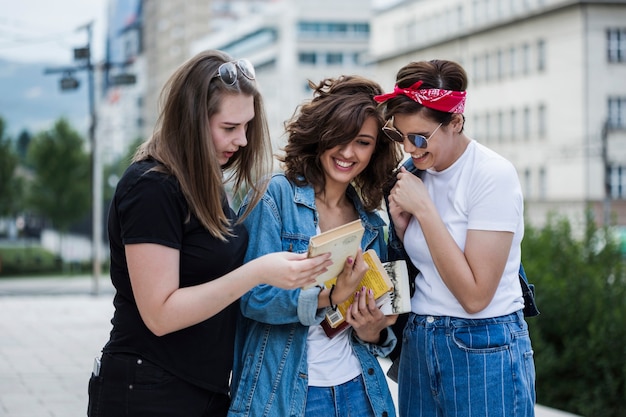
point(128, 385)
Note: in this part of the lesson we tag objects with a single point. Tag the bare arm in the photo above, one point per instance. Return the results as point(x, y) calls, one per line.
point(165, 308)
point(472, 276)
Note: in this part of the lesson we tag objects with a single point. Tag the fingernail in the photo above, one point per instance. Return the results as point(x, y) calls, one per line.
point(350, 260)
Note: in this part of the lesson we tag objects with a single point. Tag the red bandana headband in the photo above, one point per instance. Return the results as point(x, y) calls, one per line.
point(434, 98)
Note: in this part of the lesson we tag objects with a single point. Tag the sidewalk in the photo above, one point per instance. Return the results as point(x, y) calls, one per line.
point(50, 331)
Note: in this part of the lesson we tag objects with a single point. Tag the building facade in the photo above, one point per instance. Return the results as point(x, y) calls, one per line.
point(547, 89)
point(291, 42)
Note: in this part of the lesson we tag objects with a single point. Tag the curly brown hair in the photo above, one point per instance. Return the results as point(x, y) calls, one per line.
point(334, 117)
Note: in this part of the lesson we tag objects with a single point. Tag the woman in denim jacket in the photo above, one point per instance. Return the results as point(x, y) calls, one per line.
point(336, 162)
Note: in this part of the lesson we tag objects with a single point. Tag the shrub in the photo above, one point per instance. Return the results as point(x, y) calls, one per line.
point(580, 337)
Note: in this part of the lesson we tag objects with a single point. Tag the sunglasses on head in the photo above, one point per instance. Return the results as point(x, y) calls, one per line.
point(227, 72)
point(417, 140)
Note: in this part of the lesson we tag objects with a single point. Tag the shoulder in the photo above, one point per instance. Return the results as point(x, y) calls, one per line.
point(487, 159)
point(141, 178)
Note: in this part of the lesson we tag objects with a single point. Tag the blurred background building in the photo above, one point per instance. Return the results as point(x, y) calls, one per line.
point(547, 85)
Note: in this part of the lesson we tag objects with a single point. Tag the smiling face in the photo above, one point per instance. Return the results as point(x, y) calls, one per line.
point(342, 163)
point(229, 125)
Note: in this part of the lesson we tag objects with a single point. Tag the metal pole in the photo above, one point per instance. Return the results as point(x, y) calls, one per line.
point(96, 175)
point(607, 173)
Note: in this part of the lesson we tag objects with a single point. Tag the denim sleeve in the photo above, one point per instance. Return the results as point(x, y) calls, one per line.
point(382, 349)
point(266, 303)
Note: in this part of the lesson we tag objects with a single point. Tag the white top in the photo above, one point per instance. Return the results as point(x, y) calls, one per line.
point(480, 191)
point(331, 360)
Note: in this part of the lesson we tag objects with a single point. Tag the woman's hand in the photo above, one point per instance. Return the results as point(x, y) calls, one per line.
point(290, 270)
point(408, 197)
point(366, 318)
point(351, 276)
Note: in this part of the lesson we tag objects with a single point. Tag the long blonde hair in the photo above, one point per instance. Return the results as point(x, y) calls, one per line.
point(183, 144)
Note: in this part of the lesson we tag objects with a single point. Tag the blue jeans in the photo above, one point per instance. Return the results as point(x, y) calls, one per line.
point(463, 367)
point(131, 386)
point(346, 400)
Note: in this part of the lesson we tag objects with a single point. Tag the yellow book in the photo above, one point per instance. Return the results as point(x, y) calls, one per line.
point(341, 242)
point(376, 279)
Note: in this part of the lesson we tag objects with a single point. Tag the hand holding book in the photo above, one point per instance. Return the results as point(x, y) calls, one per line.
point(366, 318)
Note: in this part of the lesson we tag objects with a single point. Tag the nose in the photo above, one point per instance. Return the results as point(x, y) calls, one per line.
point(346, 150)
point(408, 145)
point(241, 139)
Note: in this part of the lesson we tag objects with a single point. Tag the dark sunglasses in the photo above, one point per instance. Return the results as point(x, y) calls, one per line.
point(394, 134)
point(227, 72)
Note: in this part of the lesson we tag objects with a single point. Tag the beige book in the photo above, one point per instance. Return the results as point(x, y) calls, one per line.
point(341, 242)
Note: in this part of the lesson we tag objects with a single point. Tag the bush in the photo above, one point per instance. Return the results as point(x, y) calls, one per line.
point(580, 337)
point(27, 260)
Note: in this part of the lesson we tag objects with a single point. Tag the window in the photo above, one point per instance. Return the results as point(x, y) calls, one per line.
point(541, 55)
point(526, 123)
point(525, 58)
point(541, 121)
point(542, 183)
point(617, 181)
point(334, 58)
point(512, 62)
point(616, 45)
point(307, 58)
point(527, 183)
point(500, 64)
point(513, 124)
point(617, 112)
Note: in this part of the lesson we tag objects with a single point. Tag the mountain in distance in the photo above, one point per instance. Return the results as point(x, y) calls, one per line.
point(31, 100)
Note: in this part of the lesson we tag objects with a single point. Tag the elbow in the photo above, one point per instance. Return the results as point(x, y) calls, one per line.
point(157, 327)
point(474, 306)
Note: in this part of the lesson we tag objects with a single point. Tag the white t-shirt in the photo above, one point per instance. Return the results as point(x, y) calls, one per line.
point(480, 191)
point(331, 360)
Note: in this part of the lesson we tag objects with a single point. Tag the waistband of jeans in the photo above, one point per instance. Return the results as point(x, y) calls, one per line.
point(447, 321)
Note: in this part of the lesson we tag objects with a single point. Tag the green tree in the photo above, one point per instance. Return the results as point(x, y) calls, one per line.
point(9, 186)
point(113, 172)
point(580, 337)
point(23, 142)
point(61, 189)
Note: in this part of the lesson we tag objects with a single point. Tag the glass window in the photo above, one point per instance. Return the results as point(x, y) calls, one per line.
point(541, 55)
point(616, 45)
point(526, 123)
point(617, 112)
point(307, 58)
point(541, 120)
point(334, 58)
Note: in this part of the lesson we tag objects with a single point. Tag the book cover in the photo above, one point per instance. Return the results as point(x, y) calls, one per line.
point(397, 300)
point(376, 278)
point(341, 242)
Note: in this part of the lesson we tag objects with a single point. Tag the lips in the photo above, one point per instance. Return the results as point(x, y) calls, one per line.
point(343, 164)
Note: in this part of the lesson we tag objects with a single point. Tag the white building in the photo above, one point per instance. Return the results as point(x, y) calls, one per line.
point(293, 41)
point(544, 77)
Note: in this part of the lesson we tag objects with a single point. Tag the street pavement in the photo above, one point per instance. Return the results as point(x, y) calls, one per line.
point(50, 331)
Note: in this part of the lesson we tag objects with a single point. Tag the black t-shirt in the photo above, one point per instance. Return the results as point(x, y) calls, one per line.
point(149, 207)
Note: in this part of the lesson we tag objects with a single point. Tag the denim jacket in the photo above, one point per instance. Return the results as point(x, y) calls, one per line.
point(270, 370)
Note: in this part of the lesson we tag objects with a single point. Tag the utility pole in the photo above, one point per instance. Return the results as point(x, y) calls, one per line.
point(68, 82)
point(604, 135)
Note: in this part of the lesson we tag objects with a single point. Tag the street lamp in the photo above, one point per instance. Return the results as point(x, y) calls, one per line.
point(69, 82)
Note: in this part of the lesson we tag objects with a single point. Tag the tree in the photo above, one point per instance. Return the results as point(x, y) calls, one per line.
point(23, 141)
point(61, 189)
point(9, 186)
point(580, 337)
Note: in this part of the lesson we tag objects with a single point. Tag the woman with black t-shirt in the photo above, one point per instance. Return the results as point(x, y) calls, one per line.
point(177, 249)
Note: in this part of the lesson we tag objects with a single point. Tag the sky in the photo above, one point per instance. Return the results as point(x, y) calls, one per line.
point(49, 30)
